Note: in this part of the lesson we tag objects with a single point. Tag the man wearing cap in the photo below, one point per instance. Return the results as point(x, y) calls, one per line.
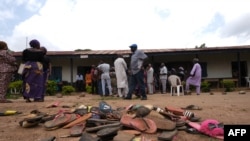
point(137, 74)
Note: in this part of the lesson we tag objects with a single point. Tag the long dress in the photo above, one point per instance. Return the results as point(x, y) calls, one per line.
point(33, 80)
point(195, 78)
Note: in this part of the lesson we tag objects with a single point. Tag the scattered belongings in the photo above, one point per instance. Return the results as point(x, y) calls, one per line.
point(104, 122)
point(9, 112)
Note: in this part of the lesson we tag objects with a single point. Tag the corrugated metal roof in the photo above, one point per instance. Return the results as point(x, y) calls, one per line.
point(148, 51)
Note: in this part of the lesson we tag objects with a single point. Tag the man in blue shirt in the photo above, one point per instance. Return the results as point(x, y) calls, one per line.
point(137, 74)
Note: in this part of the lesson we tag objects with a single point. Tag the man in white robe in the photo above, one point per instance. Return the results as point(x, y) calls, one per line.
point(121, 76)
point(150, 79)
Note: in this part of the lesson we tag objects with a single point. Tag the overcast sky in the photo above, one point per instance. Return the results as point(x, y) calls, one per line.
point(67, 25)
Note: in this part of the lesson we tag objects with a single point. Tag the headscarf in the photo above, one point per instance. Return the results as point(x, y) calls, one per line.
point(34, 43)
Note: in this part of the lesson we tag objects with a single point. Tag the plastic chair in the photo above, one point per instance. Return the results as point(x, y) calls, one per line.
point(175, 83)
point(247, 81)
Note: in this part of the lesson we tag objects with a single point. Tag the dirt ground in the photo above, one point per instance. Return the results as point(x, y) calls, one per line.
point(230, 108)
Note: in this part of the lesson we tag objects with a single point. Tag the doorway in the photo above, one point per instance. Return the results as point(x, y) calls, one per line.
point(239, 71)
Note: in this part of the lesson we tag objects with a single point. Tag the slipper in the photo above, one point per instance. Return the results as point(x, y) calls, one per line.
point(124, 135)
point(133, 132)
point(100, 121)
point(108, 131)
point(88, 137)
point(163, 123)
point(167, 135)
point(59, 121)
point(180, 122)
point(144, 124)
point(31, 120)
point(180, 112)
point(192, 131)
point(192, 107)
point(152, 128)
point(141, 124)
point(97, 128)
point(48, 117)
point(78, 120)
point(107, 134)
point(180, 128)
point(204, 128)
point(76, 130)
point(138, 124)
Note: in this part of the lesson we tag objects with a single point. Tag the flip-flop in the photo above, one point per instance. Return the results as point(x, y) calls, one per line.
point(131, 131)
point(180, 112)
point(138, 124)
point(199, 128)
point(108, 131)
point(88, 137)
point(78, 120)
point(162, 123)
point(76, 130)
point(192, 130)
point(152, 128)
point(124, 135)
point(192, 107)
point(180, 128)
point(31, 121)
point(59, 121)
point(107, 134)
point(167, 135)
point(97, 128)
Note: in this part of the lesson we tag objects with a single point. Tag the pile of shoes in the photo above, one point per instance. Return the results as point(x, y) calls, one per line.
point(104, 122)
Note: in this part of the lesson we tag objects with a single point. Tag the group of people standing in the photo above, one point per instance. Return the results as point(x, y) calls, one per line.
point(34, 75)
point(137, 79)
point(38, 67)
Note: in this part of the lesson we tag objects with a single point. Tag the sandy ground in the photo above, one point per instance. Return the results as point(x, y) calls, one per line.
point(230, 108)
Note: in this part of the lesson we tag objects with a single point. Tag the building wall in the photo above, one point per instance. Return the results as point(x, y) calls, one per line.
point(218, 64)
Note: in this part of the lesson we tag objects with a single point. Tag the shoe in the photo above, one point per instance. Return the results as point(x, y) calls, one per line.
point(28, 100)
point(138, 96)
point(144, 98)
point(127, 98)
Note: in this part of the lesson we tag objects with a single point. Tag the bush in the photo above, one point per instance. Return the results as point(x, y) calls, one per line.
point(228, 85)
point(15, 87)
point(51, 87)
point(205, 86)
point(66, 90)
point(88, 89)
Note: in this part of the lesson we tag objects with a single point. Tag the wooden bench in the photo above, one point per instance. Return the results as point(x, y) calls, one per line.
point(213, 80)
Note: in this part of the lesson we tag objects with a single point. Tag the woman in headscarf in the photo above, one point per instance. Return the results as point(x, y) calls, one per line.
point(33, 82)
point(7, 69)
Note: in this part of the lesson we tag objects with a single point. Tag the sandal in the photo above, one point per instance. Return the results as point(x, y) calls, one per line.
point(192, 131)
point(28, 100)
point(192, 107)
